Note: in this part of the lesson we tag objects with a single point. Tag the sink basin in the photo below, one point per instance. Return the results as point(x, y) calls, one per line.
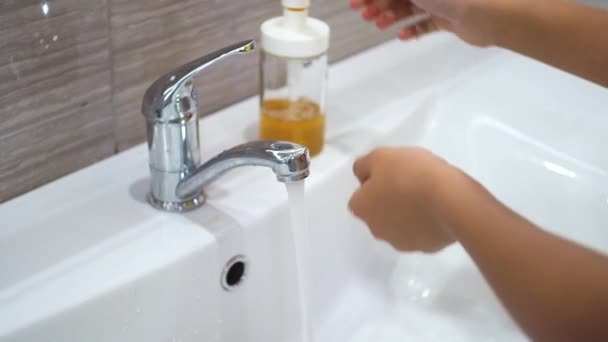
point(86, 258)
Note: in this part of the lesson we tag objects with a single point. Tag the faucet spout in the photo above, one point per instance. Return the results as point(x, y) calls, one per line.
point(289, 161)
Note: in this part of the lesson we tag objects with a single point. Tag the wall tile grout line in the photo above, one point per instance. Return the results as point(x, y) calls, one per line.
point(111, 52)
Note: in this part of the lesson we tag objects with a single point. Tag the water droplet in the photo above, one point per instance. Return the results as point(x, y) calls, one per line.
point(41, 41)
point(55, 37)
point(46, 47)
point(138, 310)
point(45, 8)
point(426, 293)
point(172, 78)
point(195, 332)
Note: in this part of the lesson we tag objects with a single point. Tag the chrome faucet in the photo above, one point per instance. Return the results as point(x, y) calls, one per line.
point(177, 177)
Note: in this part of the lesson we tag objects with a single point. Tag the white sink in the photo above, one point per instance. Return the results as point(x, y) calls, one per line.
point(85, 258)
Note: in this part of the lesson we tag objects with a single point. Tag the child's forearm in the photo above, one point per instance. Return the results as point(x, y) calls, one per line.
point(567, 35)
point(555, 289)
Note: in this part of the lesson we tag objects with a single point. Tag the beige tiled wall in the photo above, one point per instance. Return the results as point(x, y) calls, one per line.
point(55, 90)
point(73, 72)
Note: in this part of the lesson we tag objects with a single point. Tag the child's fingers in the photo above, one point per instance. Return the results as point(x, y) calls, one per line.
point(358, 4)
point(376, 8)
point(370, 12)
point(383, 5)
point(418, 30)
point(391, 16)
point(407, 33)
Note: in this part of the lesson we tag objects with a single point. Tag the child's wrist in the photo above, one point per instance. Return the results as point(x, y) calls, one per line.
point(494, 18)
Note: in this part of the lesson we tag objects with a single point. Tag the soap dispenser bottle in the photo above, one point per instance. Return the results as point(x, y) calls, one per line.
point(293, 74)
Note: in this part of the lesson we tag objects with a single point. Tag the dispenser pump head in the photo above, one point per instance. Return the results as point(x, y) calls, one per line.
point(295, 34)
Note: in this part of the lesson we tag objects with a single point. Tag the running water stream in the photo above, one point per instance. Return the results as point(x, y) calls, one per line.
point(300, 236)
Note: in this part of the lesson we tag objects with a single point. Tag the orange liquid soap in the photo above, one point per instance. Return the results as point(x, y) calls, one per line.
point(299, 121)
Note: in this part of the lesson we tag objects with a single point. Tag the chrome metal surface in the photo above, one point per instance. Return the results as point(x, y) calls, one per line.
point(178, 207)
point(176, 176)
point(162, 100)
point(289, 161)
point(170, 109)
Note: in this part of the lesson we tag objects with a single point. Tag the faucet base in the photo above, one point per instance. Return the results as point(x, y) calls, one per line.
point(177, 207)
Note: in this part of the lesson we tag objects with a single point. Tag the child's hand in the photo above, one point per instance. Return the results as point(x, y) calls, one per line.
point(469, 19)
point(384, 12)
point(396, 197)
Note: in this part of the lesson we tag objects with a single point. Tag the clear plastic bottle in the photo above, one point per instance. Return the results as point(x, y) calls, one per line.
point(293, 72)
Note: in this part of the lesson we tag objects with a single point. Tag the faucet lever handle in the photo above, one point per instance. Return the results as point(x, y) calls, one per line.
point(164, 90)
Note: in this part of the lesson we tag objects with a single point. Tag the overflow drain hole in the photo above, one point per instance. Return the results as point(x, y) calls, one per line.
point(234, 273)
